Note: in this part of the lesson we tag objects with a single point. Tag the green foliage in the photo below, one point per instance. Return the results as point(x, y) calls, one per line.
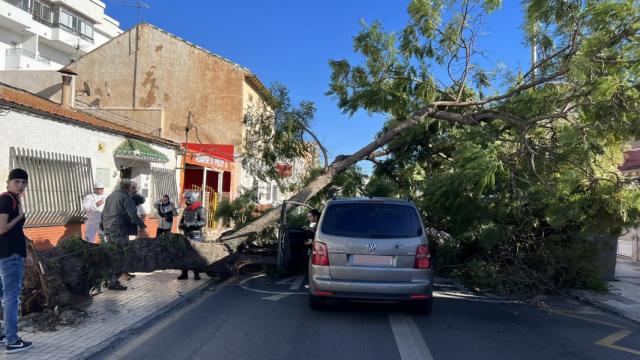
point(240, 211)
point(523, 178)
point(275, 135)
point(348, 183)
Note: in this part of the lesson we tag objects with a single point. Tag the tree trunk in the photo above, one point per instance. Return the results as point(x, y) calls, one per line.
point(65, 274)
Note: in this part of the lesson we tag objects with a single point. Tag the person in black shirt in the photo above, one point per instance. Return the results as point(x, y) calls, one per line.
point(13, 257)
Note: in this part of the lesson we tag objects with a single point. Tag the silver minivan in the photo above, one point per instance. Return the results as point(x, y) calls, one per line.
point(371, 249)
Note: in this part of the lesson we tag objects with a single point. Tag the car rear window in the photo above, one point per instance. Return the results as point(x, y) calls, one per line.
point(371, 220)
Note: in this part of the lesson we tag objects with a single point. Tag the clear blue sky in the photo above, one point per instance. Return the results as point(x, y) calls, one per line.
point(291, 41)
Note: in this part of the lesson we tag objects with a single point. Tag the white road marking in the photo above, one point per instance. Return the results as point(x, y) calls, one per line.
point(275, 297)
point(409, 340)
point(296, 285)
point(243, 285)
point(295, 281)
point(471, 297)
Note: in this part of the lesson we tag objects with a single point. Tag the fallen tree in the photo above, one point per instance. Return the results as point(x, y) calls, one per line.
point(585, 80)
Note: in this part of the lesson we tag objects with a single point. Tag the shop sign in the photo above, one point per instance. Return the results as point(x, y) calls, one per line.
point(210, 161)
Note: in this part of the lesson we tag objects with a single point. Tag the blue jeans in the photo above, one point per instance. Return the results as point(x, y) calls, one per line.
point(11, 273)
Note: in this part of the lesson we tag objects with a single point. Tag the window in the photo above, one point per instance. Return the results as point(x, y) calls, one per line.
point(371, 220)
point(22, 4)
point(75, 24)
point(274, 191)
point(267, 190)
point(163, 182)
point(57, 183)
point(42, 12)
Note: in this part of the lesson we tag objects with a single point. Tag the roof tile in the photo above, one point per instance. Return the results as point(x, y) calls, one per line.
point(30, 101)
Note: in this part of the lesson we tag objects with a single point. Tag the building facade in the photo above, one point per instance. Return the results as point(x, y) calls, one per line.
point(49, 34)
point(629, 241)
point(169, 85)
point(65, 151)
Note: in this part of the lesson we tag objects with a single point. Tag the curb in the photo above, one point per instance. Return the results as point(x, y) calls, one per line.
point(603, 306)
point(146, 321)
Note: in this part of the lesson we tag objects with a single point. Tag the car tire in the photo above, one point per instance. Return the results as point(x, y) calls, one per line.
point(422, 307)
point(316, 304)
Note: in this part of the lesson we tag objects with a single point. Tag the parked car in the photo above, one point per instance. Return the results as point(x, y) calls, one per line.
point(371, 249)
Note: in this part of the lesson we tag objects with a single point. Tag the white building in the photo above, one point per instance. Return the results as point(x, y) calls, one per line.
point(48, 34)
point(65, 151)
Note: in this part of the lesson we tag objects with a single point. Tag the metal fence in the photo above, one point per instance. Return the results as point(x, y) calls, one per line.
point(57, 183)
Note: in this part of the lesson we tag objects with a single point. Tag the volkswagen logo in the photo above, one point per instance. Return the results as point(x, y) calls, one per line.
point(371, 247)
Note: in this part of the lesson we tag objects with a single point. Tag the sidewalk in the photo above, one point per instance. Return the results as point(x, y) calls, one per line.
point(624, 293)
point(110, 314)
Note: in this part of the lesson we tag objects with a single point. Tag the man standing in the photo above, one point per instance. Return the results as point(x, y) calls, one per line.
point(13, 257)
point(118, 217)
point(194, 218)
point(92, 205)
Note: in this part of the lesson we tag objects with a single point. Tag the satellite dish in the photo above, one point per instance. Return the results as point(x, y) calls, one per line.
point(87, 89)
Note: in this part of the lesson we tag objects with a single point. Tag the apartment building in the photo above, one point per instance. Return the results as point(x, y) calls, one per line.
point(48, 34)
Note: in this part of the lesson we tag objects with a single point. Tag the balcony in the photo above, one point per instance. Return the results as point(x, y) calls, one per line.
point(14, 15)
point(18, 58)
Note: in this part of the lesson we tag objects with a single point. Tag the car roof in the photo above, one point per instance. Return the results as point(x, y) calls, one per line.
point(374, 199)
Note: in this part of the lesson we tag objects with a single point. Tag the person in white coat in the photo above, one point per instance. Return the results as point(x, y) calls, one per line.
point(92, 205)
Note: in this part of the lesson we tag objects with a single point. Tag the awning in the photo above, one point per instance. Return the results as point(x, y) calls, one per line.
point(137, 150)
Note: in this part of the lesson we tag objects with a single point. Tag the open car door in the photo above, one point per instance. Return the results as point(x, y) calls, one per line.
point(292, 253)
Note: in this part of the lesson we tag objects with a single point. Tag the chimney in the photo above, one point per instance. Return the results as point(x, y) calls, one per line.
point(67, 91)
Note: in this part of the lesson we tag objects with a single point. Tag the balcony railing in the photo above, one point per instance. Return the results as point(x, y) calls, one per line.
point(27, 53)
point(74, 32)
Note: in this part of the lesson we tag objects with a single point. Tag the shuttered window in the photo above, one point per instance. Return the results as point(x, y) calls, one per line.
point(57, 183)
point(164, 182)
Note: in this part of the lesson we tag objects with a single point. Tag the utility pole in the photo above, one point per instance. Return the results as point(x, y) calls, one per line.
point(186, 141)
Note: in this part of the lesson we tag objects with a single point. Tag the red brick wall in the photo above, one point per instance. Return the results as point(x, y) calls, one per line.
point(46, 237)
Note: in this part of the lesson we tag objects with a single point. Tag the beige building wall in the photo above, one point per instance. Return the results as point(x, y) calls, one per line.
point(175, 76)
point(44, 83)
point(170, 74)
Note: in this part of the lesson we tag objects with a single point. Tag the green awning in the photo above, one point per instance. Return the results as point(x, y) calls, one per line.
point(137, 150)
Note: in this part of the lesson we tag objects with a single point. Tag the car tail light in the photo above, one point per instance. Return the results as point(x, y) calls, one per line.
point(423, 258)
point(320, 255)
point(419, 296)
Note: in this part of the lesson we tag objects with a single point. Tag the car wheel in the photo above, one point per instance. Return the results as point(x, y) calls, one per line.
point(422, 307)
point(316, 304)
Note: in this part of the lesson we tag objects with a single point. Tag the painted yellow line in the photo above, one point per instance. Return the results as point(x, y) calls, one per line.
point(611, 340)
point(568, 314)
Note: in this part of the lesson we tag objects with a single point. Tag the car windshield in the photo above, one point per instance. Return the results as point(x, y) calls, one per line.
point(371, 220)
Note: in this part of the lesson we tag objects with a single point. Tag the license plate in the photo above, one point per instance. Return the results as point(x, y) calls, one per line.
point(377, 260)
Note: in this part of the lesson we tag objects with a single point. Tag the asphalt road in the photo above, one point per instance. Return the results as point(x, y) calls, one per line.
point(265, 318)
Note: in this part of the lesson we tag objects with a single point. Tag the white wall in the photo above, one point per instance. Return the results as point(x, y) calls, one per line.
point(29, 131)
point(105, 28)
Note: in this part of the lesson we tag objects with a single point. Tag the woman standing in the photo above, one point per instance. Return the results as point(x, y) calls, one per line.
point(166, 212)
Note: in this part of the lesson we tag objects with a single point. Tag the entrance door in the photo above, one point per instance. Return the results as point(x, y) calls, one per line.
point(125, 173)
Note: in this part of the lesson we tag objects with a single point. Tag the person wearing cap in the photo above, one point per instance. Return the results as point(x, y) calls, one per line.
point(13, 258)
point(92, 205)
point(118, 218)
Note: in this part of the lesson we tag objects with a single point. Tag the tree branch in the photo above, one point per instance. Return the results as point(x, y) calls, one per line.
point(322, 148)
